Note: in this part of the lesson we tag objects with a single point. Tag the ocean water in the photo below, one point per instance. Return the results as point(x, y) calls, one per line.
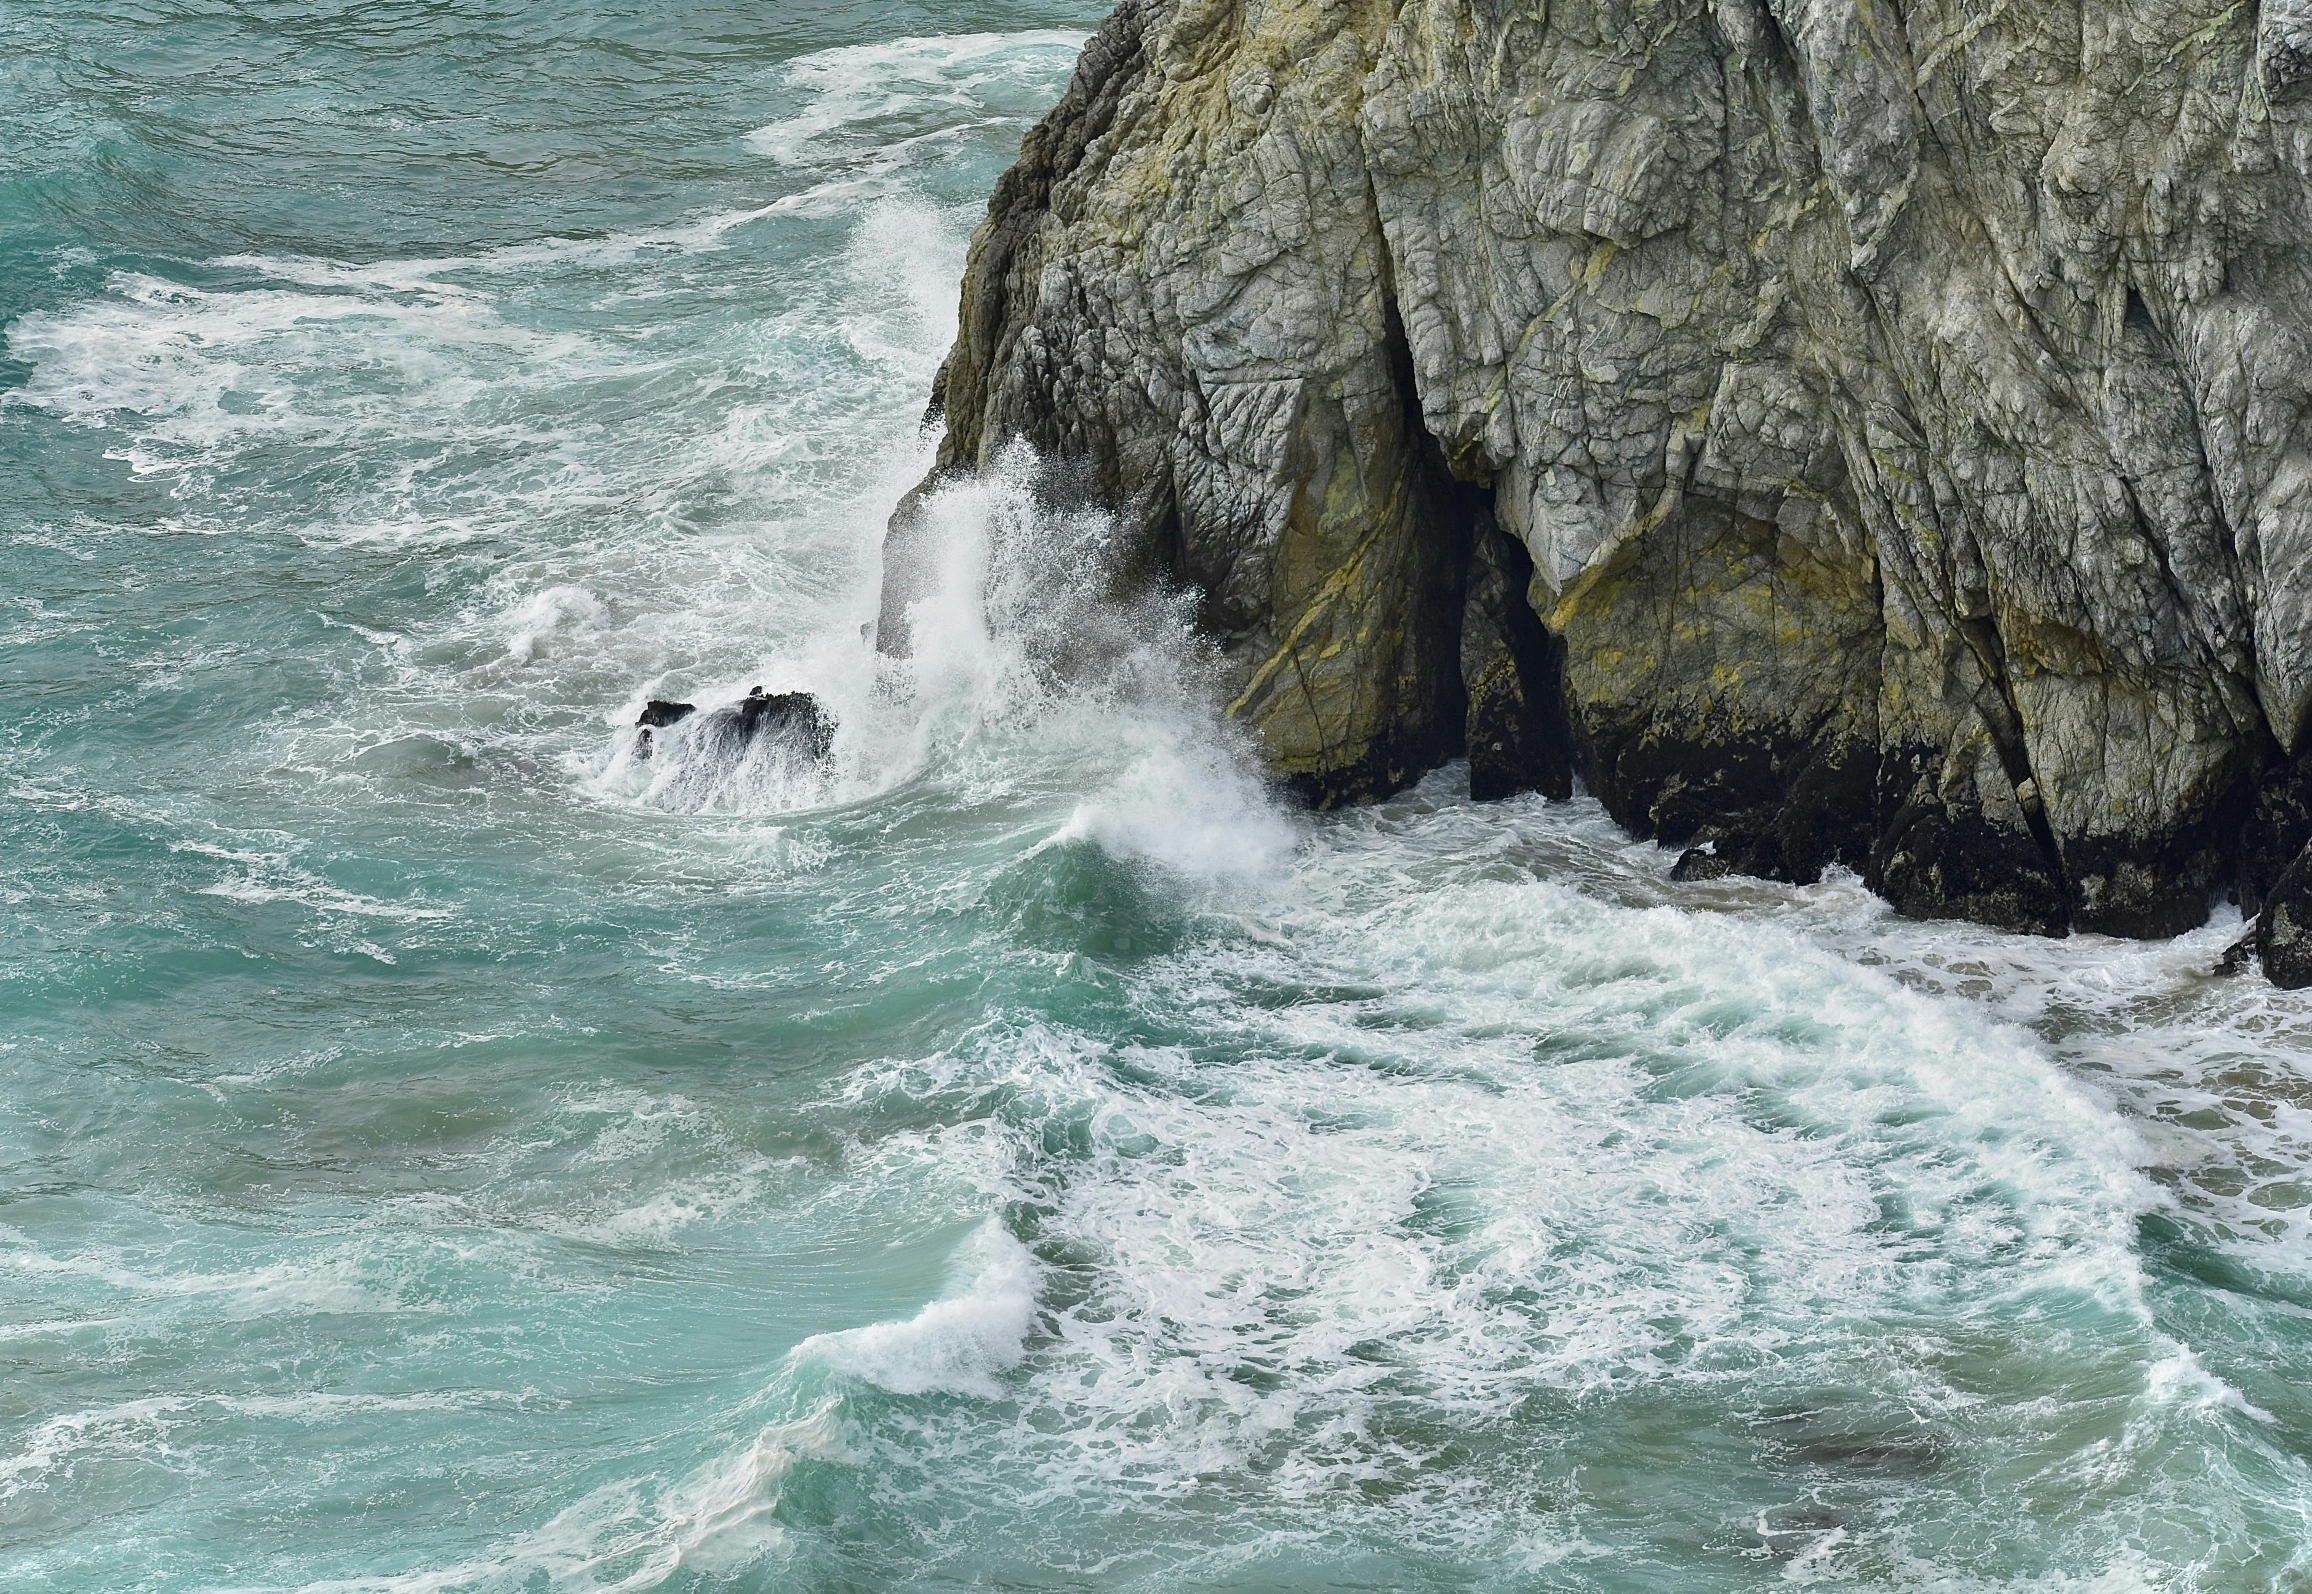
point(442, 1149)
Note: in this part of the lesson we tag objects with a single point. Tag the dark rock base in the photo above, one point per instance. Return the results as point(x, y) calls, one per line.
point(1513, 670)
point(793, 717)
point(1779, 809)
point(1936, 863)
point(2284, 927)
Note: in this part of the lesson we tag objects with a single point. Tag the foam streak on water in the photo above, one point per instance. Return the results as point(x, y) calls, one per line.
point(449, 1148)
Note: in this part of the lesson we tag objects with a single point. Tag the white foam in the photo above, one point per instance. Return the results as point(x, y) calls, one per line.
point(1186, 799)
point(721, 1518)
point(136, 1425)
point(2179, 1379)
point(956, 1345)
point(558, 609)
point(1513, 1137)
point(862, 99)
point(626, 1538)
point(317, 894)
point(145, 1426)
point(206, 368)
point(338, 1280)
point(425, 275)
point(2213, 1075)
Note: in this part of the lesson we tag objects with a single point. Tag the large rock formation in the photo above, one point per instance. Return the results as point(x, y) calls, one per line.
point(1898, 411)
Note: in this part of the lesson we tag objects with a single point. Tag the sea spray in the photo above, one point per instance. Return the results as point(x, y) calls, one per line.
point(1027, 660)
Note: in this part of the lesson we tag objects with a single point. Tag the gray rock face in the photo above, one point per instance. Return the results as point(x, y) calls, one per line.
point(1902, 409)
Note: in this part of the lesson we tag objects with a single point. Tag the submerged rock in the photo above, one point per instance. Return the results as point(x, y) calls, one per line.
point(1904, 416)
point(2237, 956)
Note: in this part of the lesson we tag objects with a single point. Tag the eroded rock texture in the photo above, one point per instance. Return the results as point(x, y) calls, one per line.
point(1901, 408)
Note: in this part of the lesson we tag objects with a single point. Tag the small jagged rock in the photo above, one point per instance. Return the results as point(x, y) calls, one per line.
point(1700, 863)
point(2284, 927)
point(795, 717)
point(2236, 957)
point(656, 715)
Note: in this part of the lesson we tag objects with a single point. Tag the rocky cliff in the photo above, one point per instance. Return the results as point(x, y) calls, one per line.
point(1862, 431)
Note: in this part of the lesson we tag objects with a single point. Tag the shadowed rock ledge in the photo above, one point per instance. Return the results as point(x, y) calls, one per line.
point(1895, 417)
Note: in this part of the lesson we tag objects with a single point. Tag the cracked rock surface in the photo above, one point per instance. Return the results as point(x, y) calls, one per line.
point(1899, 411)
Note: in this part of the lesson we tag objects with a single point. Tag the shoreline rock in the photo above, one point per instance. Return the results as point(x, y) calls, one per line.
point(1904, 418)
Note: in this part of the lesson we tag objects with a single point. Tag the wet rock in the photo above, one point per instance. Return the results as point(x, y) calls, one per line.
point(2279, 826)
point(2284, 928)
point(2236, 957)
point(1920, 389)
point(793, 717)
point(657, 715)
point(1700, 863)
point(1937, 861)
point(1510, 667)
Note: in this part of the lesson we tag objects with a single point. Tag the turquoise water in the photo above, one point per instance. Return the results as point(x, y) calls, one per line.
point(444, 1150)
